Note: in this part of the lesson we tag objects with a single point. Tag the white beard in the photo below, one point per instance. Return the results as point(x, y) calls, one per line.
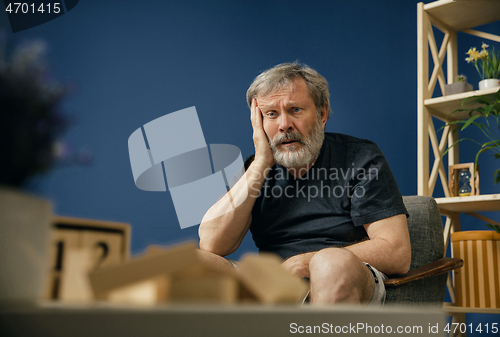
point(296, 156)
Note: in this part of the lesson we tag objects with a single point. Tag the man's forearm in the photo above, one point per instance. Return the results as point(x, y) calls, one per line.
point(389, 248)
point(226, 223)
point(389, 259)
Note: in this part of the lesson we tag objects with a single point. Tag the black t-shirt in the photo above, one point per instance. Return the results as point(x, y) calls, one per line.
point(349, 185)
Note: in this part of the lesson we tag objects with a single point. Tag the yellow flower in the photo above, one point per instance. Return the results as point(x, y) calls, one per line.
point(474, 54)
point(487, 64)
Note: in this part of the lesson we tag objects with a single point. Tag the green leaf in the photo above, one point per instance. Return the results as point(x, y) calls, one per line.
point(469, 122)
point(486, 148)
point(496, 228)
point(479, 111)
point(480, 126)
point(459, 110)
point(458, 141)
point(459, 122)
point(487, 110)
point(481, 151)
point(497, 95)
point(493, 143)
point(494, 110)
point(454, 143)
point(497, 176)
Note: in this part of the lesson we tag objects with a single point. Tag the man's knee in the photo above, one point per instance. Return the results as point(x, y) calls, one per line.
point(333, 260)
point(337, 275)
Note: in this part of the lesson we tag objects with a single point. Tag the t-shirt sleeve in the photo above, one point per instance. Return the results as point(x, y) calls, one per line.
point(374, 192)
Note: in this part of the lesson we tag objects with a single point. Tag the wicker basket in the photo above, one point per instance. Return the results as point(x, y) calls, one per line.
point(477, 284)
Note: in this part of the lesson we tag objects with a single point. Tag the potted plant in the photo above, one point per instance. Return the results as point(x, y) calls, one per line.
point(486, 117)
point(487, 65)
point(30, 122)
point(459, 86)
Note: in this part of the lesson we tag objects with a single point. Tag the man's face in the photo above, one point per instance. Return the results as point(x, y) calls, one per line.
point(293, 127)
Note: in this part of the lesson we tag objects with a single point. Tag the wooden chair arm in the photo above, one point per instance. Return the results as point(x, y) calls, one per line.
point(437, 267)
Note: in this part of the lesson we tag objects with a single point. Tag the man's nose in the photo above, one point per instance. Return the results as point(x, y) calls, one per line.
point(286, 123)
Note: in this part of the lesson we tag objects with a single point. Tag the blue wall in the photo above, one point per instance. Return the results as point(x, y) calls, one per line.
point(131, 62)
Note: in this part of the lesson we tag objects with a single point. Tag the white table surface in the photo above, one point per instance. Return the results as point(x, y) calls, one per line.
point(104, 319)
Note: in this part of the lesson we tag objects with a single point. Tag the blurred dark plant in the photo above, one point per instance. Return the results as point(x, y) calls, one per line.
point(31, 119)
point(496, 228)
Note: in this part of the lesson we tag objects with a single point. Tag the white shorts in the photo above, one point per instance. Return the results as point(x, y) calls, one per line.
point(378, 297)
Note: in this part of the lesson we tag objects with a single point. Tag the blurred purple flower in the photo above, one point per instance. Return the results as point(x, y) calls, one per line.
point(64, 154)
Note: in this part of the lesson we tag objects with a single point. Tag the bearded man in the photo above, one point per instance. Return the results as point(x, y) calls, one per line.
point(326, 203)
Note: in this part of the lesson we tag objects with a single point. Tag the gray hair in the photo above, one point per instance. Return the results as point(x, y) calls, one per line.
point(282, 75)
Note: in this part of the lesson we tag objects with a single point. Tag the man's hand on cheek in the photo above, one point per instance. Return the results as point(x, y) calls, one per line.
point(263, 152)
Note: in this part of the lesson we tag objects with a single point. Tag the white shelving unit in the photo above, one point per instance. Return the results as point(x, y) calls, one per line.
point(450, 17)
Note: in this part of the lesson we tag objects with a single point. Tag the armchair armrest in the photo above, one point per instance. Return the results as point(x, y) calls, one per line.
point(437, 267)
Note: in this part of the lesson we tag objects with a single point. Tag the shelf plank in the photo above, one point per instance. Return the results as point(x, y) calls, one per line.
point(474, 203)
point(441, 107)
point(461, 15)
point(451, 308)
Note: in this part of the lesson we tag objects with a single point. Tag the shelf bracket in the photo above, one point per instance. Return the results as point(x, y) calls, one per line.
point(438, 58)
point(484, 218)
point(438, 167)
point(483, 35)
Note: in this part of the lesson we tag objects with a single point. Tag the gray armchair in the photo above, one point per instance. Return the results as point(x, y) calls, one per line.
point(426, 281)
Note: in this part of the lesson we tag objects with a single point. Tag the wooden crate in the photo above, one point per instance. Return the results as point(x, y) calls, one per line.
point(477, 284)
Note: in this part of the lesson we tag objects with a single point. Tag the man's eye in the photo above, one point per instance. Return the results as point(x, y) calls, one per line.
point(297, 109)
point(271, 114)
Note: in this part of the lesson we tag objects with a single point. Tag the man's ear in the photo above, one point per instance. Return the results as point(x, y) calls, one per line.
point(324, 115)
